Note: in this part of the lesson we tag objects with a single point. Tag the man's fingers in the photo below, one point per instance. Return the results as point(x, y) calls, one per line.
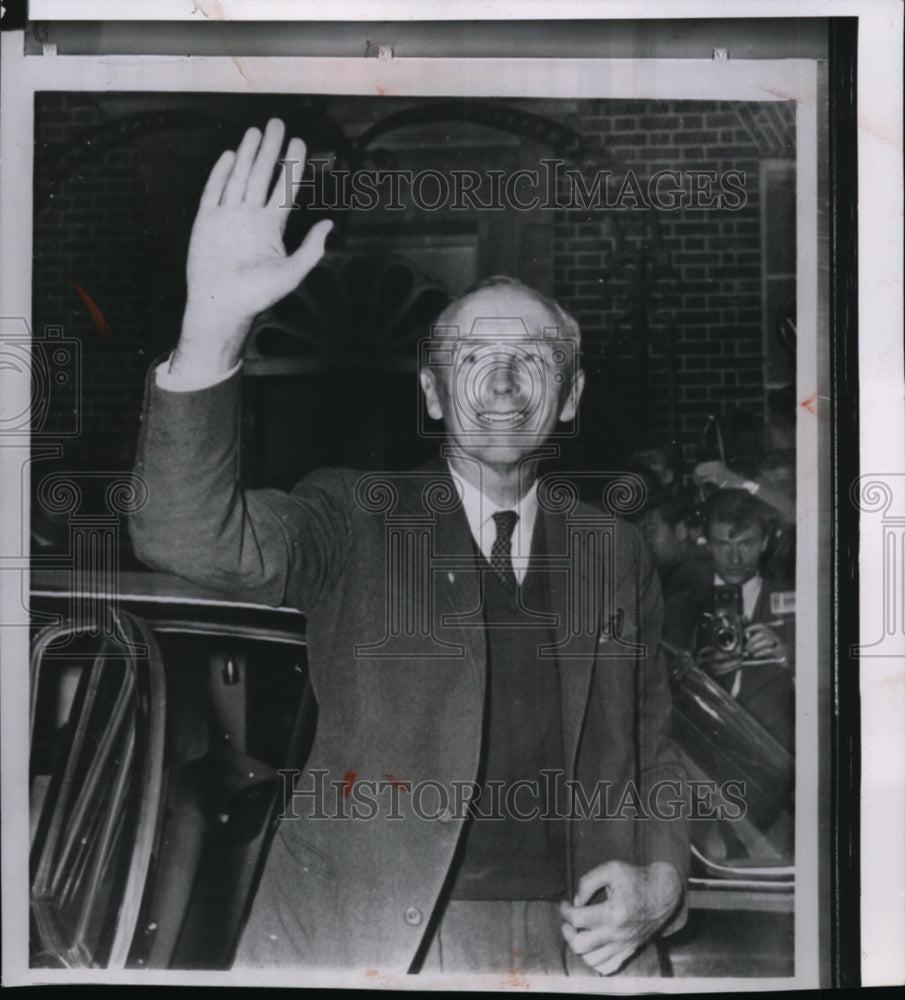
point(234, 191)
point(262, 168)
point(585, 941)
point(216, 181)
point(289, 179)
point(310, 252)
point(762, 641)
point(578, 941)
point(608, 960)
point(582, 917)
point(597, 950)
point(592, 882)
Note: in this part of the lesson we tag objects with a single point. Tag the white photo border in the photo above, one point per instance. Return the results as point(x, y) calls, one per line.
point(879, 363)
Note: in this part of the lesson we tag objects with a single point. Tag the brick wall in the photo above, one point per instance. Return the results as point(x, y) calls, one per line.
point(706, 292)
point(117, 180)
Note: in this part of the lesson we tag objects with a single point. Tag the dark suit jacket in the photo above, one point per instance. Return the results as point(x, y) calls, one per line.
point(360, 893)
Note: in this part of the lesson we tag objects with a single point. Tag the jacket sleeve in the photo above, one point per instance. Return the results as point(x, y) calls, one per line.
point(265, 546)
point(665, 835)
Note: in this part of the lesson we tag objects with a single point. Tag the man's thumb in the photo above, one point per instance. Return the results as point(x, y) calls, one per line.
point(310, 252)
point(592, 882)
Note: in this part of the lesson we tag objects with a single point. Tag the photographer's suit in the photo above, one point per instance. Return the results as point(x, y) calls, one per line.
point(360, 894)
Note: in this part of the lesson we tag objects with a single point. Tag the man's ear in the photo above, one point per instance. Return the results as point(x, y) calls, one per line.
point(570, 404)
point(431, 393)
point(681, 530)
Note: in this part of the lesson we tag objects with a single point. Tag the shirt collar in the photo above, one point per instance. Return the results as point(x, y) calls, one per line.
point(479, 511)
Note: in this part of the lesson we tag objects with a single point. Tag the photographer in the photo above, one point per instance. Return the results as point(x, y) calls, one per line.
point(743, 616)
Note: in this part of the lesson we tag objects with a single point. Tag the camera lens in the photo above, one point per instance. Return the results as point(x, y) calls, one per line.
point(726, 638)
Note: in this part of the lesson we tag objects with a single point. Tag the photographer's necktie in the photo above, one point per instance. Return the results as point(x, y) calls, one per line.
point(501, 553)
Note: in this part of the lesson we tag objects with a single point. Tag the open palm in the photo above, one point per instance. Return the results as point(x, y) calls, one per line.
point(237, 261)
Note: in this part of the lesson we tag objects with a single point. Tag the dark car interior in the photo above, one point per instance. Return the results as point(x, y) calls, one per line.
point(152, 813)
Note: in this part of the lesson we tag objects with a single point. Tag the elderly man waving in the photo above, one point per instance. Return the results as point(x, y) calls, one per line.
point(492, 788)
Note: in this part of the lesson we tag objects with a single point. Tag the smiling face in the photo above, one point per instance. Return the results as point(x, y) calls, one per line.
point(504, 374)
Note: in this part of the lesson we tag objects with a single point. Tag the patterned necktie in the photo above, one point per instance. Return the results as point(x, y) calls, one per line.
point(501, 553)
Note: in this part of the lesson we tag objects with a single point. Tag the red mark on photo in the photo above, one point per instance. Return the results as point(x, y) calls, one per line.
point(97, 317)
point(810, 404)
point(348, 782)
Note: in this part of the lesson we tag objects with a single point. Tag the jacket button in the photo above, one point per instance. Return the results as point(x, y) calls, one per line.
point(412, 916)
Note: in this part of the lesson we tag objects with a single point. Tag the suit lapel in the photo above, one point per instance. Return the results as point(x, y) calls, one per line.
point(573, 647)
point(457, 596)
point(454, 579)
point(761, 610)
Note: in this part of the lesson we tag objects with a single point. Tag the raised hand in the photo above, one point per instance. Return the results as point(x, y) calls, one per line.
point(718, 475)
point(237, 262)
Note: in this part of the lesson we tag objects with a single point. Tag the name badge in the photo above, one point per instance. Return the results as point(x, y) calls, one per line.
point(782, 602)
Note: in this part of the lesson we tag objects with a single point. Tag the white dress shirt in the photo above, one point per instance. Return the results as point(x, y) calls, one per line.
point(189, 381)
point(479, 511)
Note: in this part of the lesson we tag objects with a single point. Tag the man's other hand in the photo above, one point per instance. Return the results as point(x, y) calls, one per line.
point(762, 643)
point(237, 262)
point(637, 903)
